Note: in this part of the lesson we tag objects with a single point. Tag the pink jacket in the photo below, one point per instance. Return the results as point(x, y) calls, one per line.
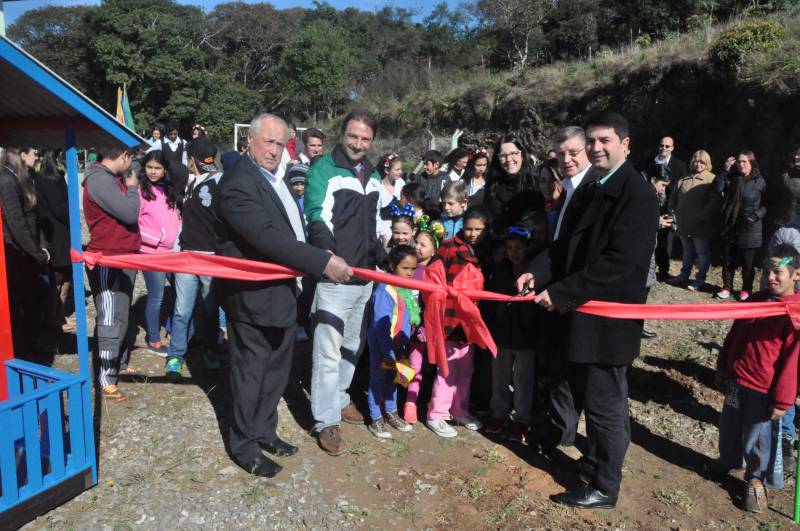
point(159, 224)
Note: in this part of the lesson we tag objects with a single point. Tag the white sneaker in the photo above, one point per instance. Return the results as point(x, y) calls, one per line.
point(441, 428)
point(469, 422)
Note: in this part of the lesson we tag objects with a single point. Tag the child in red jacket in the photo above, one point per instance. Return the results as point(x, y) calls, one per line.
point(450, 395)
point(758, 369)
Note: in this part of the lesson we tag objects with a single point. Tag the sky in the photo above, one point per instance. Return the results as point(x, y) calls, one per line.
point(16, 8)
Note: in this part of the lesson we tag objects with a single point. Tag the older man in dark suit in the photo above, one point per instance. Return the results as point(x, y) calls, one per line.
point(260, 219)
point(603, 253)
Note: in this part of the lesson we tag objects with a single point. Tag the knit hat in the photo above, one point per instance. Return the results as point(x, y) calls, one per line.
point(204, 152)
point(297, 173)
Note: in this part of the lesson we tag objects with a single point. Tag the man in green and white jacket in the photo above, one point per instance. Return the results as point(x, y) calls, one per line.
point(341, 206)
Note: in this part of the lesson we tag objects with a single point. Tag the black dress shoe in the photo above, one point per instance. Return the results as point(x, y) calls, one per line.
point(279, 448)
point(647, 334)
point(261, 466)
point(585, 497)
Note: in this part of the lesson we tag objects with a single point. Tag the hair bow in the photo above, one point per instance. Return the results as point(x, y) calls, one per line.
point(397, 212)
point(518, 231)
point(391, 157)
point(479, 152)
point(435, 229)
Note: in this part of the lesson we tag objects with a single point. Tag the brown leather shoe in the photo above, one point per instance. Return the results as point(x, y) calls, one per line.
point(351, 415)
point(330, 440)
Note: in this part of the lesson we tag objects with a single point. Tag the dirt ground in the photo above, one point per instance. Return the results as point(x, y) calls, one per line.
point(163, 462)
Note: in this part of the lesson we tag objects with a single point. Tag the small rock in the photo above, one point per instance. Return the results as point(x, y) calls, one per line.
point(227, 471)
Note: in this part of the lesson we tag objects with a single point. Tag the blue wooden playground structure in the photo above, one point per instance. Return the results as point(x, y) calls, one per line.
point(47, 437)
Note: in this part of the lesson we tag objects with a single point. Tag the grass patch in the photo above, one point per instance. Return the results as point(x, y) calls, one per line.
point(491, 454)
point(515, 506)
point(473, 489)
point(397, 448)
point(675, 499)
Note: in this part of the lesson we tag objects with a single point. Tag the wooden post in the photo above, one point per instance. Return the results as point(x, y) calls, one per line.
point(79, 292)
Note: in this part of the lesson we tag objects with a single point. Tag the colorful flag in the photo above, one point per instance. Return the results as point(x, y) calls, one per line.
point(124, 115)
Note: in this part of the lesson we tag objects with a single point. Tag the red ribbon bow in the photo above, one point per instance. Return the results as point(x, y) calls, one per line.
point(465, 283)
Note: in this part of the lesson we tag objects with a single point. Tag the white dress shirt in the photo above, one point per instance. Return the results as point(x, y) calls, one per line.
point(570, 185)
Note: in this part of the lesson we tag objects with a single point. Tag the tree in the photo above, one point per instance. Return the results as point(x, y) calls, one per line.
point(225, 103)
point(155, 47)
point(571, 35)
point(55, 36)
point(518, 25)
point(316, 70)
point(246, 41)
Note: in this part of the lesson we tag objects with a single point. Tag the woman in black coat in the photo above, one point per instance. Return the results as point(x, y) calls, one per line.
point(743, 210)
point(51, 192)
point(25, 257)
point(510, 187)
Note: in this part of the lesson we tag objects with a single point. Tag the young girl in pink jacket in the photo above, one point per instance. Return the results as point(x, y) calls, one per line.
point(159, 225)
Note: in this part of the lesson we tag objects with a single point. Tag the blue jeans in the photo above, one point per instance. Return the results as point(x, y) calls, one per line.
point(337, 316)
point(186, 288)
point(787, 424)
point(154, 281)
point(382, 389)
point(699, 248)
point(745, 432)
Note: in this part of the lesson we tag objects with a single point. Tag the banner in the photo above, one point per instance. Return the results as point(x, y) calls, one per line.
point(124, 115)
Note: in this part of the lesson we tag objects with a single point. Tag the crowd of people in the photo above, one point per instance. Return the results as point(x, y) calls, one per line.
point(584, 223)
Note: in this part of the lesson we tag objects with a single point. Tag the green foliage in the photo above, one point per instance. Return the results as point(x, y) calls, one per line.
point(643, 41)
point(699, 22)
point(733, 46)
point(39, 30)
point(316, 67)
point(310, 64)
point(226, 102)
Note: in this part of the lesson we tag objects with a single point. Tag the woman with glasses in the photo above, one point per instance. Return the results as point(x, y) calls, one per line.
point(25, 257)
point(743, 210)
point(696, 206)
point(511, 189)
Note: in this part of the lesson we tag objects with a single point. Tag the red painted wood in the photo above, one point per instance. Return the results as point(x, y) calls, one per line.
point(6, 343)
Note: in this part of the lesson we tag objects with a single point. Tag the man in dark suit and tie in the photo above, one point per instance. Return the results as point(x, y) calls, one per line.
point(603, 254)
point(578, 175)
point(259, 219)
point(665, 164)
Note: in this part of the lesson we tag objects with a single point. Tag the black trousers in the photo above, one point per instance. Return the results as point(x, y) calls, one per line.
point(261, 358)
point(562, 412)
point(25, 293)
point(734, 257)
point(602, 392)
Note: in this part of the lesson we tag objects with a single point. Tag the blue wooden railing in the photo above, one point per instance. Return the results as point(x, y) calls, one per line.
point(43, 440)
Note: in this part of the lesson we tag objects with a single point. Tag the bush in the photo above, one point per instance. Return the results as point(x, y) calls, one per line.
point(700, 22)
point(643, 41)
point(730, 50)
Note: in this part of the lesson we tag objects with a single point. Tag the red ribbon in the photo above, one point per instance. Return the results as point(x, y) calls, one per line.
point(695, 312)
point(464, 289)
point(468, 280)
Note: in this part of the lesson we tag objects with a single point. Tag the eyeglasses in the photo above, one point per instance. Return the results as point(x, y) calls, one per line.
point(519, 231)
point(573, 153)
point(506, 156)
